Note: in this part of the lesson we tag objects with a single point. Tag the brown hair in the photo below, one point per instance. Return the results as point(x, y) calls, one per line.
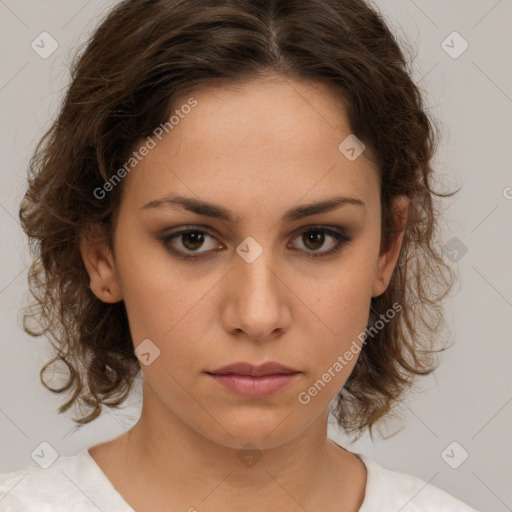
point(124, 84)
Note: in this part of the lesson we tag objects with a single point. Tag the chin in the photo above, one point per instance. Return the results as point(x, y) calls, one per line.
point(259, 429)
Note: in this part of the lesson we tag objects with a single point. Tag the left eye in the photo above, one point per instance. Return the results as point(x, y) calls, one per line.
point(312, 239)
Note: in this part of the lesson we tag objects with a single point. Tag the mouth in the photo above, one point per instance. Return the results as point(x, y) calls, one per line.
point(250, 370)
point(253, 381)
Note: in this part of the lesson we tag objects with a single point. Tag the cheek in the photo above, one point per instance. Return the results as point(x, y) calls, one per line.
point(343, 301)
point(346, 320)
point(336, 330)
point(170, 307)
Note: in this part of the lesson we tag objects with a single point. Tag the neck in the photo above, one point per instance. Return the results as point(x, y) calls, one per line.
point(194, 472)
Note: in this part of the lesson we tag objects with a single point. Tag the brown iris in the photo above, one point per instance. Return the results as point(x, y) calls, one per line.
point(196, 238)
point(313, 237)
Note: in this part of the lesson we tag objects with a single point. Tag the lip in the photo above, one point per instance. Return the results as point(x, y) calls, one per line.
point(253, 381)
point(270, 368)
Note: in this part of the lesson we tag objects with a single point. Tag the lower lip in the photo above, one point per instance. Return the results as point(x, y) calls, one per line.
point(255, 387)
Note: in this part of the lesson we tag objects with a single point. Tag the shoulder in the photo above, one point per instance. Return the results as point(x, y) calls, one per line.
point(387, 490)
point(36, 488)
point(71, 482)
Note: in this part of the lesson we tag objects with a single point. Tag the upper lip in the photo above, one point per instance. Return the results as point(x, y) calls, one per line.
point(270, 368)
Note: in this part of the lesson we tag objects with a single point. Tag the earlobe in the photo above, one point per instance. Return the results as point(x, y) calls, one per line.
point(387, 260)
point(100, 265)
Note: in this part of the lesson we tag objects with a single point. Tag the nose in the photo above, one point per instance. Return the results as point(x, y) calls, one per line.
point(257, 301)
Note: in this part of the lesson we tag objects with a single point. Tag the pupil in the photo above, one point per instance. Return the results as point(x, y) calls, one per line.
point(197, 239)
point(315, 237)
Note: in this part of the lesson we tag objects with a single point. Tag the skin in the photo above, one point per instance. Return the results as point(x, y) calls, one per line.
point(258, 150)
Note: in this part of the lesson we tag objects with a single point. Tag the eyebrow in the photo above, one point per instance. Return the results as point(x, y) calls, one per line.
point(219, 212)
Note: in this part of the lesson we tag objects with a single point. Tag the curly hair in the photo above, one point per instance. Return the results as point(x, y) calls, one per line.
point(125, 82)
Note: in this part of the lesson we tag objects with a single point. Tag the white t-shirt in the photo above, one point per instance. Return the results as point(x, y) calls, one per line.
point(76, 483)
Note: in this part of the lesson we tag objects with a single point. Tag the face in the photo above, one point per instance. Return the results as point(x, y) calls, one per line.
point(260, 276)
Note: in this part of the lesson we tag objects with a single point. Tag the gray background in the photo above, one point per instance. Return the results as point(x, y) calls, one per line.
point(468, 399)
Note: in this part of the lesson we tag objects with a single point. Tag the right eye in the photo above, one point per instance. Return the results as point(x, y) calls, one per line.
point(188, 240)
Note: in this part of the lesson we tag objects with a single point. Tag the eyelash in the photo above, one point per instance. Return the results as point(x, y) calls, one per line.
point(341, 238)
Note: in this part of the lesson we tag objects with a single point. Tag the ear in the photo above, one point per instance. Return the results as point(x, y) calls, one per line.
point(99, 262)
point(387, 260)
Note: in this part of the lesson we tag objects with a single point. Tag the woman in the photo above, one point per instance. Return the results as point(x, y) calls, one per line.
point(235, 200)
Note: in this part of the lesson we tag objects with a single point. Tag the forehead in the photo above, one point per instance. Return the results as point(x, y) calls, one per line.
point(267, 140)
